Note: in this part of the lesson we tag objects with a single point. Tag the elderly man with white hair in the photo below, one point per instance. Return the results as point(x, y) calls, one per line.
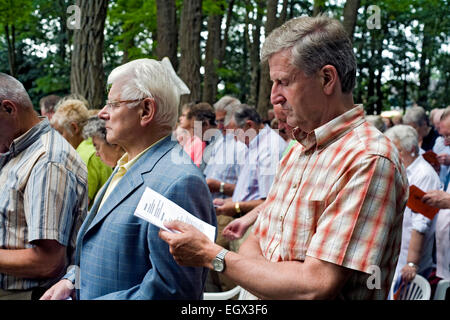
point(119, 255)
point(418, 231)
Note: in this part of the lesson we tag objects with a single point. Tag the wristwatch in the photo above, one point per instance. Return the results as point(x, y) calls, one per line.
point(219, 261)
point(413, 265)
point(238, 209)
point(221, 189)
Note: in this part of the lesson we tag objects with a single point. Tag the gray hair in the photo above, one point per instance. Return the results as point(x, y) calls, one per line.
point(12, 89)
point(405, 135)
point(376, 121)
point(48, 103)
point(245, 112)
point(314, 43)
point(225, 103)
point(94, 127)
point(415, 115)
point(148, 78)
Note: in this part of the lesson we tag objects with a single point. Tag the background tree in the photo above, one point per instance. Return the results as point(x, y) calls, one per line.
point(190, 60)
point(87, 77)
point(401, 62)
point(167, 39)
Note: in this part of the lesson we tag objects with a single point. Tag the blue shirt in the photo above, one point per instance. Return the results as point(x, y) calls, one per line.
point(258, 171)
point(226, 161)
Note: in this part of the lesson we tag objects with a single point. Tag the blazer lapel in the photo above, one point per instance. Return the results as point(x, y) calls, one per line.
point(129, 182)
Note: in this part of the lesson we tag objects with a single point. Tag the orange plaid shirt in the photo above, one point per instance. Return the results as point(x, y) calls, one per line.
point(339, 196)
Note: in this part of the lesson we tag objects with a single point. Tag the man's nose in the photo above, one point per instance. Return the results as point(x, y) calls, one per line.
point(275, 96)
point(103, 114)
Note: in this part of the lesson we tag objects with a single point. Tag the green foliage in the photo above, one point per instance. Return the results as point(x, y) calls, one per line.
point(43, 45)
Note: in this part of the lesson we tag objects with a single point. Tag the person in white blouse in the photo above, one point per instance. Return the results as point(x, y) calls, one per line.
point(418, 231)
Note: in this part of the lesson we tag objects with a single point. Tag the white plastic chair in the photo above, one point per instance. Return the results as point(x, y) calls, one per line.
point(226, 295)
point(441, 289)
point(418, 289)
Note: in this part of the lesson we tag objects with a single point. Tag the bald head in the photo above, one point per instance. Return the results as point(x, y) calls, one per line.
point(11, 89)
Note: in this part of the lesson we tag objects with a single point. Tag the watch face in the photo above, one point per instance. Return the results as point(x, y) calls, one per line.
point(218, 265)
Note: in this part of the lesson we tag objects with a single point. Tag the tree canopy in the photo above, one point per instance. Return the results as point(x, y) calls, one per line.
point(402, 46)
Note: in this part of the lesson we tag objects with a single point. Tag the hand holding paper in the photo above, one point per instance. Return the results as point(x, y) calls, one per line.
point(158, 210)
point(416, 204)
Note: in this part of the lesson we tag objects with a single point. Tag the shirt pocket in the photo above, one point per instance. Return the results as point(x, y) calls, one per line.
point(299, 226)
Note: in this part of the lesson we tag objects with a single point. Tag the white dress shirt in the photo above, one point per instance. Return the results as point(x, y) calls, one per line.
point(421, 174)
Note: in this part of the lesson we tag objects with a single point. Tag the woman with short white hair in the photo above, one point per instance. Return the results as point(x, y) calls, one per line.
point(418, 231)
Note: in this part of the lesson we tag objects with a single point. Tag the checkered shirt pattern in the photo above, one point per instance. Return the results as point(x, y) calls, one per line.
point(339, 196)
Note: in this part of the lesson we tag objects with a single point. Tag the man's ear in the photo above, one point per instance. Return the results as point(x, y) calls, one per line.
point(250, 124)
point(329, 78)
point(148, 111)
point(9, 107)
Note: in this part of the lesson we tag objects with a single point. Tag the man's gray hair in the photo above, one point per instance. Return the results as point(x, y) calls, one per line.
point(314, 43)
point(226, 102)
point(415, 115)
point(376, 121)
point(405, 135)
point(12, 89)
point(95, 127)
point(148, 78)
point(244, 112)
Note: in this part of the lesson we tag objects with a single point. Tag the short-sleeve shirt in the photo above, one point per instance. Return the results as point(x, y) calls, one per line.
point(43, 195)
point(339, 196)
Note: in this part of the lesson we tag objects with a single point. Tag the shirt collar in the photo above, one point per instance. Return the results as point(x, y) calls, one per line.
point(413, 167)
point(332, 130)
point(263, 132)
point(127, 164)
point(28, 138)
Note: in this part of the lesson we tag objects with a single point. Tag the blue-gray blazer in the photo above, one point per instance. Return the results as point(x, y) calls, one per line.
point(121, 256)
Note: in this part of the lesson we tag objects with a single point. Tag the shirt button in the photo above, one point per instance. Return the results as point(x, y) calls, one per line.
point(294, 186)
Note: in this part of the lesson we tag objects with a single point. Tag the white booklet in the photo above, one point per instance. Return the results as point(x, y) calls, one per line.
point(157, 209)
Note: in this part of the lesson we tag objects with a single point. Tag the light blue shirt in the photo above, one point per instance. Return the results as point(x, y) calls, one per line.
point(439, 148)
point(258, 172)
point(226, 161)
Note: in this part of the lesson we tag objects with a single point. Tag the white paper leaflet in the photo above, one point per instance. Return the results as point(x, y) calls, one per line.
point(157, 210)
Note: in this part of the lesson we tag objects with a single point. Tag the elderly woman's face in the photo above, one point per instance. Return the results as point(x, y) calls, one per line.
point(107, 153)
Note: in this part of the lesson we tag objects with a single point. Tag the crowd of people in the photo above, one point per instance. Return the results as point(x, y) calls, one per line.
point(306, 200)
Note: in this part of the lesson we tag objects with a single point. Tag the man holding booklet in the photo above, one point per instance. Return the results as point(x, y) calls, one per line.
point(119, 254)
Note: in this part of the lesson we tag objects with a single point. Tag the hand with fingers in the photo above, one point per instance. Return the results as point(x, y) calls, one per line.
point(189, 247)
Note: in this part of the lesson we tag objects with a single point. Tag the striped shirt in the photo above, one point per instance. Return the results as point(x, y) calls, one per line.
point(339, 196)
point(43, 195)
point(226, 161)
point(261, 161)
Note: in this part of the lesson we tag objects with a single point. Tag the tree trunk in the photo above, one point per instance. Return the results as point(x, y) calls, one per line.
point(265, 85)
point(212, 53)
point(254, 47)
point(87, 76)
point(215, 52)
point(425, 70)
point(167, 37)
point(319, 6)
point(350, 16)
point(11, 40)
point(190, 61)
